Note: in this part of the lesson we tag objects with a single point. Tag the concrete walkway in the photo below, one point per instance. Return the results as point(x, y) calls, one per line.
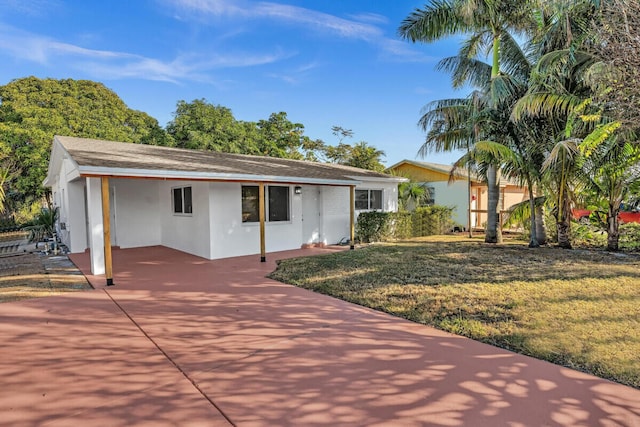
point(181, 341)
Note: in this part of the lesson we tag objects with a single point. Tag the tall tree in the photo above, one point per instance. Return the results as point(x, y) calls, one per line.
point(558, 95)
point(200, 125)
point(33, 110)
point(484, 23)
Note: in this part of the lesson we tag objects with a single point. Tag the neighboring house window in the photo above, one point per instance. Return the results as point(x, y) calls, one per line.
point(430, 195)
point(368, 200)
point(277, 203)
point(182, 200)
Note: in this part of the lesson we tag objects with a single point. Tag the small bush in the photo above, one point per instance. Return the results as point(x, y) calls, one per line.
point(630, 236)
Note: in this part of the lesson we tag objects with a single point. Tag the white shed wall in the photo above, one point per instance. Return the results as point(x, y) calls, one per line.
point(137, 212)
point(231, 237)
point(187, 233)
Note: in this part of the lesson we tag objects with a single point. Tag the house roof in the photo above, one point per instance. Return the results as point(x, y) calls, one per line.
point(460, 173)
point(92, 157)
point(437, 167)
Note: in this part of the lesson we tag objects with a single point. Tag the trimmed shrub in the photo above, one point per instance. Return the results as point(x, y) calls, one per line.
point(382, 226)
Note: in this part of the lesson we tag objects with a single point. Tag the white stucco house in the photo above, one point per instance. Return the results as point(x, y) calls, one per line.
point(205, 203)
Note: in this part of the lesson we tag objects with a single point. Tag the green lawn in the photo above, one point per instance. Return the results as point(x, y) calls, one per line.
point(577, 308)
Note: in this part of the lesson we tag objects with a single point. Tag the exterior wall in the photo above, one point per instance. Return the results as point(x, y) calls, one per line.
point(75, 218)
point(69, 197)
point(513, 195)
point(453, 195)
point(137, 212)
point(187, 233)
point(231, 237)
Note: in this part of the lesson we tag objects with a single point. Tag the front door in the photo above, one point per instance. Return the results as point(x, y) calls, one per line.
point(311, 211)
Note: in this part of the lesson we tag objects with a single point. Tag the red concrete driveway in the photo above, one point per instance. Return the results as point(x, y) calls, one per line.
point(181, 341)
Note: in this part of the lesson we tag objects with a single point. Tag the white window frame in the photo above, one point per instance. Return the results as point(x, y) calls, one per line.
point(268, 206)
point(183, 200)
point(369, 199)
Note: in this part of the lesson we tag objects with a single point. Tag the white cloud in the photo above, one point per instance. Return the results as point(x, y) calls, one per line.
point(31, 7)
point(398, 50)
point(282, 12)
point(30, 47)
point(364, 26)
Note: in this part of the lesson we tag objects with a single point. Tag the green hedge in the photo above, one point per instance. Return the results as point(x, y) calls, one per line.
point(424, 221)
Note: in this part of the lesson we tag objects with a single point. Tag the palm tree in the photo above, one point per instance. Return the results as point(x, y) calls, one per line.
point(611, 171)
point(486, 22)
point(412, 195)
point(559, 96)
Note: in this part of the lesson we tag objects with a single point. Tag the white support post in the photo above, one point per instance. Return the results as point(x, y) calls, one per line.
point(96, 230)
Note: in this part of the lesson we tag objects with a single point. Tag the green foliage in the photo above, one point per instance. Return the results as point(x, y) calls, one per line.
point(360, 155)
point(630, 236)
point(43, 226)
point(33, 110)
point(412, 195)
point(384, 226)
point(200, 125)
point(373, 226)
point(431, 220)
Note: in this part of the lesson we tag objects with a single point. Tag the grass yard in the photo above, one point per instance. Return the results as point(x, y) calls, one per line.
point(577, 308)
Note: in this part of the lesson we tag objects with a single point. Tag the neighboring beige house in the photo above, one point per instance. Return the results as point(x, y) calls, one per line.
point(456, 193)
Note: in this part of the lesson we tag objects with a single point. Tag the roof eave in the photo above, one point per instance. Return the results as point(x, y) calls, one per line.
point(379, 178)
point(206, 176)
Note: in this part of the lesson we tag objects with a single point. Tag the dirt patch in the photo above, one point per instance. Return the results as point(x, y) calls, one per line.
point(32, 275)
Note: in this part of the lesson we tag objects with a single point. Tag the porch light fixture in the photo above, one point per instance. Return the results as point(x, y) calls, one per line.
point(297, 190)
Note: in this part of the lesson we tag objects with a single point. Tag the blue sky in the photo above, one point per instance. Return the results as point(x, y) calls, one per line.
point(324, 63)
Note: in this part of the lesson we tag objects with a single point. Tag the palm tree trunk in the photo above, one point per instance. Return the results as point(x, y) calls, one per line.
point(613, 229)
point(541, 231)
point(533, 240)
point(493, 196)
point(563, 223)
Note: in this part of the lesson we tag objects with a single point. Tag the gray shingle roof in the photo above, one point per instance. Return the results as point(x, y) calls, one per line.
point(100, 157)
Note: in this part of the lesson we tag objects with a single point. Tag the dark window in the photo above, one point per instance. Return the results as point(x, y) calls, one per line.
point(278, 203)
point(375, 199)
point(362, 200)
point(188, 206)
point(182, 200)
point(250, 203)
point(368, 200)
point(177, 200)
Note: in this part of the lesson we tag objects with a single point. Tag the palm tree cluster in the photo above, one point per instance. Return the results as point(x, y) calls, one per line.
point(541, 109)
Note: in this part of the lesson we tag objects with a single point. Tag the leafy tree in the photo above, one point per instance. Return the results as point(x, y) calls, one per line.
point(33, 110)
point(280, 137)
point(618, 49)
point(558, 95)
point(484, 23)
point(200, 125)
point(365, 156)
point(361, 155)
point(611, 173)
point(203, 126)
